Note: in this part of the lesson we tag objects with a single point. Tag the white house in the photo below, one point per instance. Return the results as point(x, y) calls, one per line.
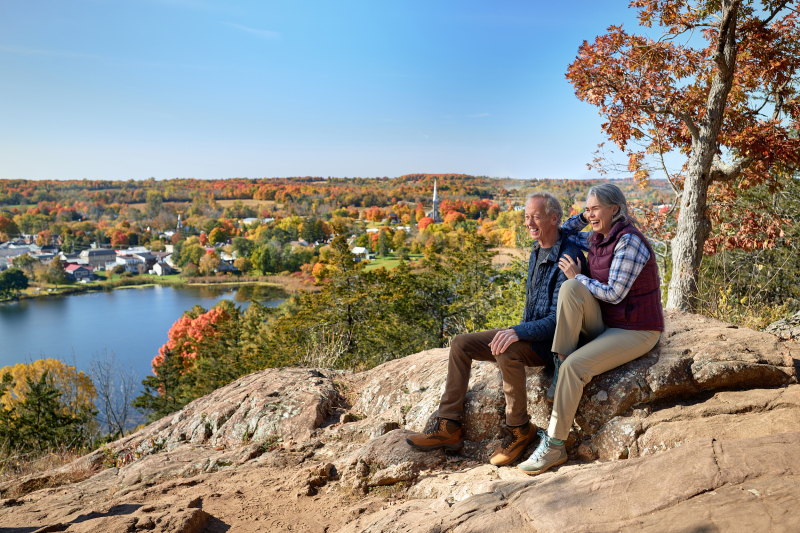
point(162, 269)
point(130, 262)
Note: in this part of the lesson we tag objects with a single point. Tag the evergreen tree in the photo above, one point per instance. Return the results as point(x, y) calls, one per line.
point(11, 281)
point(383, 244)
point(40, 421)
point(164, 393)
point(55, 273)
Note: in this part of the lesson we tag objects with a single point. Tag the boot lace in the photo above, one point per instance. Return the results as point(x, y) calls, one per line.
point(434, 427)
point(508, 437)
point(543, 447)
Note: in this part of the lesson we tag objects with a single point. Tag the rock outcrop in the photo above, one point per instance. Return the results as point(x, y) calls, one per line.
point(787, 328)
point(709, 423)
point(708, 485)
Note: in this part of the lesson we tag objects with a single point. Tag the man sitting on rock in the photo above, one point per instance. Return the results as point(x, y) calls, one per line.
point(513, 348)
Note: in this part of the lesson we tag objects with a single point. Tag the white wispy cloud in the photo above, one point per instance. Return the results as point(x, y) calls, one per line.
point(263, 34)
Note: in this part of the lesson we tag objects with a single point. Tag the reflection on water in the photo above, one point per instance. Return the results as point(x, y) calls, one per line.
point(258, 293)
point(133, 322)
point(242, 294)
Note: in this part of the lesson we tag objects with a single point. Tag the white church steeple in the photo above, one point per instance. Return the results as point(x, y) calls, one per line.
point(435, 211)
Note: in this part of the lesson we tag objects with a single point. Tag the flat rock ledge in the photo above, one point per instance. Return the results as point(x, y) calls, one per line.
point(708, 421)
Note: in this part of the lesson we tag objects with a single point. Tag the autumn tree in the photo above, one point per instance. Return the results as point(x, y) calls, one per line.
point(217, 235)
point(424, 222)
point(8, 228)
point(163, 393)
point(46, 404)
point(399, 239)
point(718, 88)
point(209, 263)
point(76, 388)
point(243, 264)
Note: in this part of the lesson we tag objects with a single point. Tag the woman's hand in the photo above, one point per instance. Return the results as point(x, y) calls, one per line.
point(569, 267)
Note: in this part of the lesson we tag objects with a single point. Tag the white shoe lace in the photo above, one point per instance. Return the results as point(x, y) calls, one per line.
point(542, 448)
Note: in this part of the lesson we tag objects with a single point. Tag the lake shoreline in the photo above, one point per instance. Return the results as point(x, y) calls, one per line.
point(138, 283)
point(134, 324)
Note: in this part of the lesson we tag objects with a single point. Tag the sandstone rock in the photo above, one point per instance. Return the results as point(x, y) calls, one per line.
point(383, 428)
point(623, 495)
point(385, 458)
point(288, 404)
point(307, 480)
point(686, 416)
point(587, 451)
point(724, 416)
point(695, 354)
point(393, 474)
point(410, 396)
point(460, 485)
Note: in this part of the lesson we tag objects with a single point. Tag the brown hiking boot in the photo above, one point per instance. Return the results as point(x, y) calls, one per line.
point(445, 434)
point(514, 443)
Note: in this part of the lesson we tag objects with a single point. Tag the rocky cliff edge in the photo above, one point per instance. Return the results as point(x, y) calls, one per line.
point(701, 434)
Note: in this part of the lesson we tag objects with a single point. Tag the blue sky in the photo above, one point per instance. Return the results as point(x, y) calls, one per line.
point(209, 89)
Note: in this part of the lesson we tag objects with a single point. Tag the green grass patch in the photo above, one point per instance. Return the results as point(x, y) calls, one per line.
point(390, 261)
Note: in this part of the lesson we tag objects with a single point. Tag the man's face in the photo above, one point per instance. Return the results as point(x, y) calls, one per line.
point(539, 224)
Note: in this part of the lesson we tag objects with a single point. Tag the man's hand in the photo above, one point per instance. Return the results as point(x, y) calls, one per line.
point(502, 340)
point(569, 267)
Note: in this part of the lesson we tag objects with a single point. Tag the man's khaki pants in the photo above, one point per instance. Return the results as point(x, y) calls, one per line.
point(578, 314)
point(475, 347)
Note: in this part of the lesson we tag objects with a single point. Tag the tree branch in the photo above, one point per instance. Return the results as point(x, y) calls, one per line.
point(772, 15)
point(663, 164)
point(690, 125)
point(779, 98)
point(724, 29)
point(724, 172)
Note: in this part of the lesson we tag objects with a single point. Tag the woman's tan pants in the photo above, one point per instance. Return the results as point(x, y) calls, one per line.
point(578, 313)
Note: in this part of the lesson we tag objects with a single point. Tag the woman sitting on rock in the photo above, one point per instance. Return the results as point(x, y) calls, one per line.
point(617, 309)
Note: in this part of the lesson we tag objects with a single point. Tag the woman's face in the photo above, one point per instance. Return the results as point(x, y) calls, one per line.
point(599, 216)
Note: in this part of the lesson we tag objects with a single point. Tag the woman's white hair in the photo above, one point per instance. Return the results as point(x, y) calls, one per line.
point(551, 203)
point(610, 195)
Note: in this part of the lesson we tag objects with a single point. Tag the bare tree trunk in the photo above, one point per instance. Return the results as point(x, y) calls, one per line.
point(115, 386)
point(694, 226)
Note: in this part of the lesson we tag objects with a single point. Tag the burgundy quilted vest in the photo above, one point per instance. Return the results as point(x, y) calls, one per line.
point(641, 308)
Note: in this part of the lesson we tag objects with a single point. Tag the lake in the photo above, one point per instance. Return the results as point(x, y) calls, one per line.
point(131, 322)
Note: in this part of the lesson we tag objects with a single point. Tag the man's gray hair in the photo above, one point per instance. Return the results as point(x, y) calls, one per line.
point(610, 195)
point(551, 203)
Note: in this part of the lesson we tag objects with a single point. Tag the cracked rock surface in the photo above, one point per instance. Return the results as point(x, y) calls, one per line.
point(701, 434)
